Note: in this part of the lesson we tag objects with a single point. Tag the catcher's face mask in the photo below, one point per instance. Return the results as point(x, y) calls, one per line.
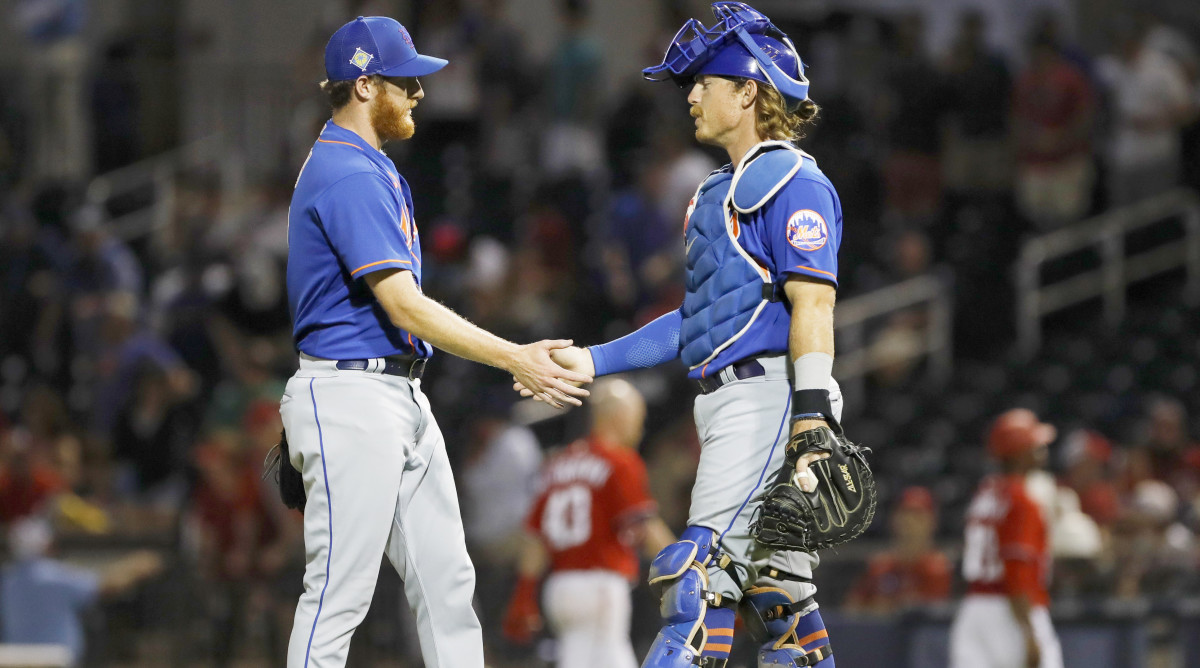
point(742, 43)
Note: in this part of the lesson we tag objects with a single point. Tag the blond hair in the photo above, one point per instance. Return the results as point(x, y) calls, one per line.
point(772, 118)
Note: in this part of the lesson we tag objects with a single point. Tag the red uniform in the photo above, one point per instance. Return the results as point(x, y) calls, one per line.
point(891, 581)
point(589, 495)
point(1006, 550)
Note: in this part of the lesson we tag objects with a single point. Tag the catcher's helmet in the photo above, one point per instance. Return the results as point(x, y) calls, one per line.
point(1017, 431)
point(742, 43)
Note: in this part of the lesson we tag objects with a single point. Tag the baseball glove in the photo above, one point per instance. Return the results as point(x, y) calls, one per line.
point(278, 464)
point(837, 511)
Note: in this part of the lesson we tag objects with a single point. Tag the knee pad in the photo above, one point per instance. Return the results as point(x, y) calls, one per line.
point(793, 633)
point(679, 577)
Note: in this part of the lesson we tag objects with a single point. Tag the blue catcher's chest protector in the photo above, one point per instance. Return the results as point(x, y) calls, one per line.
point(726, 287)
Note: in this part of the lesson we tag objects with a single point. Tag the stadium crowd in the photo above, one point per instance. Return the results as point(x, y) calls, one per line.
point(140, 375)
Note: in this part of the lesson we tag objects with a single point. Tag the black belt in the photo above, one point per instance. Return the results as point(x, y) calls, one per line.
point(742, 370)
point(406, 366)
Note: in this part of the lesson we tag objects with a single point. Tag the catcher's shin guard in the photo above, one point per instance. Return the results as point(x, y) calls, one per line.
point(679, 577)
point(793, 633)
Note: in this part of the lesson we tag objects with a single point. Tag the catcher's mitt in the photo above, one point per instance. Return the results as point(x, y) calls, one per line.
point(837, 511)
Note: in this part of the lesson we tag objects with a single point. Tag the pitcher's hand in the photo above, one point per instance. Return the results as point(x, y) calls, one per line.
point(536, 371)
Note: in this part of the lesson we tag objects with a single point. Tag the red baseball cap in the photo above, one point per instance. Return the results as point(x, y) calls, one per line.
point(916, 498)
point(1017, 431)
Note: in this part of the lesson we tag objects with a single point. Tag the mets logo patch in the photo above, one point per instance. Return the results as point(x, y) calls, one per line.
point(406, 38)
point(806, 230)
point(361, 58)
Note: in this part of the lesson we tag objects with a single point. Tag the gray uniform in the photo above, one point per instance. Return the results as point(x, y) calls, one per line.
point(378, 482)
point(743, 427)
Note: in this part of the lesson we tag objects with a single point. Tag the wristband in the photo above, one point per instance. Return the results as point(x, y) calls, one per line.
point(813, 376)
point(813, 371)
point(811, 404)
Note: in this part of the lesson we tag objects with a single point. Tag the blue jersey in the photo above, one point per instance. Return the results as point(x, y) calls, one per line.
point(799, 232)
point(351, 215)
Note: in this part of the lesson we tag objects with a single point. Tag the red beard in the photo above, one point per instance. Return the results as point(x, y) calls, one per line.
point(389, 121)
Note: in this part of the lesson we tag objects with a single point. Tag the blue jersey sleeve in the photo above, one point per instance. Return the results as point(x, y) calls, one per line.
point(804, 231)
point(368, 223)
point(655, 343)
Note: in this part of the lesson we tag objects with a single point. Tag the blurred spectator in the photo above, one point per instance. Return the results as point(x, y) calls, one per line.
point(27, 480)
point(150, 439)
point(1174, 43)
point(572, 144)
point(114, 107)
point(1079, 548)
point(54, 30)
point(684, 165)
point(1151, 100)
point(913, 571)
point(1153, 552)
point(279, 559)
point(1086, 456)
point(236, 536)
point(978, 157)
point(917, 101)
point(498, 479)
point(52, 435)
point(42, 599)
point(124, 347)
point(1175, 457)
point(1053, 111)
point(30, 293)
point(637, 248)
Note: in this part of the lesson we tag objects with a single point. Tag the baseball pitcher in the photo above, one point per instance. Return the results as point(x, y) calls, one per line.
point(374, 474)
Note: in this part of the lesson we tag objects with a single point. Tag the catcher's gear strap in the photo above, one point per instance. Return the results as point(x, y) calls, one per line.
point(793, 632)
point(764, 171)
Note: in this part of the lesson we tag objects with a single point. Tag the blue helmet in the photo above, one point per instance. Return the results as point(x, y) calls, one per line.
point(742, 43)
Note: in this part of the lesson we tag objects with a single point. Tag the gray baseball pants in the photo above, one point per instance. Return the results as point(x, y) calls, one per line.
point(378, 482)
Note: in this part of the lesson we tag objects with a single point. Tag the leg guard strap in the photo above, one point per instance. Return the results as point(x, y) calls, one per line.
point(679, 577)
point(792, 631)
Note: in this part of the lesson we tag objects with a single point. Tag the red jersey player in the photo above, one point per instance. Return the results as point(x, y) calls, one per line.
point(1003, 621)
point(593, 508)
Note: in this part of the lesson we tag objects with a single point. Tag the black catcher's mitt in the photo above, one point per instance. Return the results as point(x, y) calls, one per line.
point(291, 484)
point(837, 511)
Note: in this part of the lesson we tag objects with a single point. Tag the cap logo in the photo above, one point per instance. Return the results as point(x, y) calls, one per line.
point(361, 58)
point(406, 38)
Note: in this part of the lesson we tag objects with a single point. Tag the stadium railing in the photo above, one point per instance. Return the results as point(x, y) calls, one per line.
point(1121, 263)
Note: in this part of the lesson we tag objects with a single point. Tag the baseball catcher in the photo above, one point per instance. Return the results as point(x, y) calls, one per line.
point(755, 332)
point(829, 503)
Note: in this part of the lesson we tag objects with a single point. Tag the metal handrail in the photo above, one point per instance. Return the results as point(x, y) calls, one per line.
point(854, 360)
point(1117, 271)
point(158, 172)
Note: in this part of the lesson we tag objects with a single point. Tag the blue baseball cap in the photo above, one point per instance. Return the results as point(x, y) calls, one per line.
point(375, 45)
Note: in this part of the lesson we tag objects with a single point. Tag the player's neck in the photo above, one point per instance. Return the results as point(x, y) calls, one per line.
point(357, 120)
point(741, 144)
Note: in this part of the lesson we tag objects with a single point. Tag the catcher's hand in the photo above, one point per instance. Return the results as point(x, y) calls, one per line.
point(839, 508)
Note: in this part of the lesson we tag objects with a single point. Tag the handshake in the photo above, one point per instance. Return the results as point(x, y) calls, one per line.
point(553, 372)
